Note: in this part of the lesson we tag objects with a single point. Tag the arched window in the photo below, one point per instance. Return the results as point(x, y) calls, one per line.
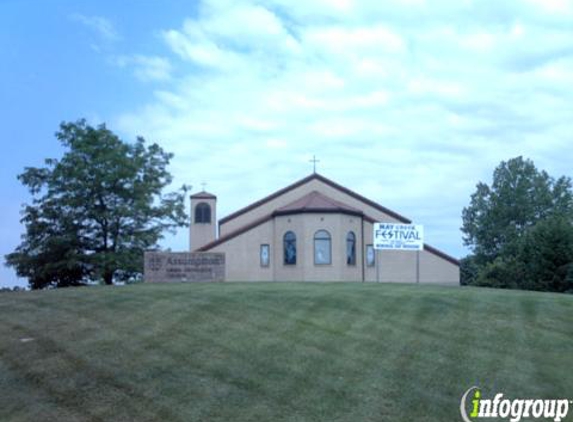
point(203, 213)
point(351, 248)
point(322, 255)
point(289, 243)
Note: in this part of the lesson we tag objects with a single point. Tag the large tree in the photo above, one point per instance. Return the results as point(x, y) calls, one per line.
point(519, 197)
point(520, 213)
point(95, 210)
point(546, 256)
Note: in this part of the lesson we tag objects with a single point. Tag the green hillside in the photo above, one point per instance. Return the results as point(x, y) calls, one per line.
point(276, 352)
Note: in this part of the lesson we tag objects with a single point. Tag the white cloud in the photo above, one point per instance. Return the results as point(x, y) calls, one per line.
point(103, 27)
point(146, 68)
point(354, 41)
point(225, 35)
point(557, 7)
point(196, 47)
point(424, 85)
point(483, 41)
point(408, 104)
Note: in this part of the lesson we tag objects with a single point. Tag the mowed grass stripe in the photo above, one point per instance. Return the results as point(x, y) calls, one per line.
point(74, 378)
point(276, 351)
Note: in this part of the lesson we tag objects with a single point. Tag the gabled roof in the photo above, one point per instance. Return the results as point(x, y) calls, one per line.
point(307, 179)
point(316, 202)
point(203, 195)
point(313, 202)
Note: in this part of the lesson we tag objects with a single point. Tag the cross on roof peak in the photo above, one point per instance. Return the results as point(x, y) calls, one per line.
point(314, 161)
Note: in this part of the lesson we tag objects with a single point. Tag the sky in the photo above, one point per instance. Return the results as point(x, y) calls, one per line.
point(410, 103)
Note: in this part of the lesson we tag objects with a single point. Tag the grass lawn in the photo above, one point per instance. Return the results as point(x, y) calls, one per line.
point(277, 351)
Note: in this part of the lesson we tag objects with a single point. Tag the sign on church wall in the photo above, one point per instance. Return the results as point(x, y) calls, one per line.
point(405, 237)
point(161, 267)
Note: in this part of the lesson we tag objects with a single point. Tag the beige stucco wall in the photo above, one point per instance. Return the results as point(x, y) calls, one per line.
point(305, 226)
point(400, 266)
point(242, 254)
point(292, 195)
point(436, 270)
point(243, 260)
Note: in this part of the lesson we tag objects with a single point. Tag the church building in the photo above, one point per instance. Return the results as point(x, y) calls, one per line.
point(312, 230)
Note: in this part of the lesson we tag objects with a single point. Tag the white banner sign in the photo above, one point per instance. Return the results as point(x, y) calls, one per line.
point(405, 237)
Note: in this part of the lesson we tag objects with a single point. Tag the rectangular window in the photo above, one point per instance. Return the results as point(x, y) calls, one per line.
point(265, 255)
point(370, 256)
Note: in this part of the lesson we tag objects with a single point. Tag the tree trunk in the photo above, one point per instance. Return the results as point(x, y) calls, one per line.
point(108, 278)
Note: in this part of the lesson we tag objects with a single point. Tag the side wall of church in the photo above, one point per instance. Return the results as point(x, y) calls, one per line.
point(243, 261)
point(400, 266)
point(242, 254)
point(435, 270)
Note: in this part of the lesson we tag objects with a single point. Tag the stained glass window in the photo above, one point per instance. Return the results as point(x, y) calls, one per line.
point(351, 248)
point(322, 248)
point(289, 243)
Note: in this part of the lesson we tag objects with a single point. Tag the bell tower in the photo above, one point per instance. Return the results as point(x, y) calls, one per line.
point(203, 219)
